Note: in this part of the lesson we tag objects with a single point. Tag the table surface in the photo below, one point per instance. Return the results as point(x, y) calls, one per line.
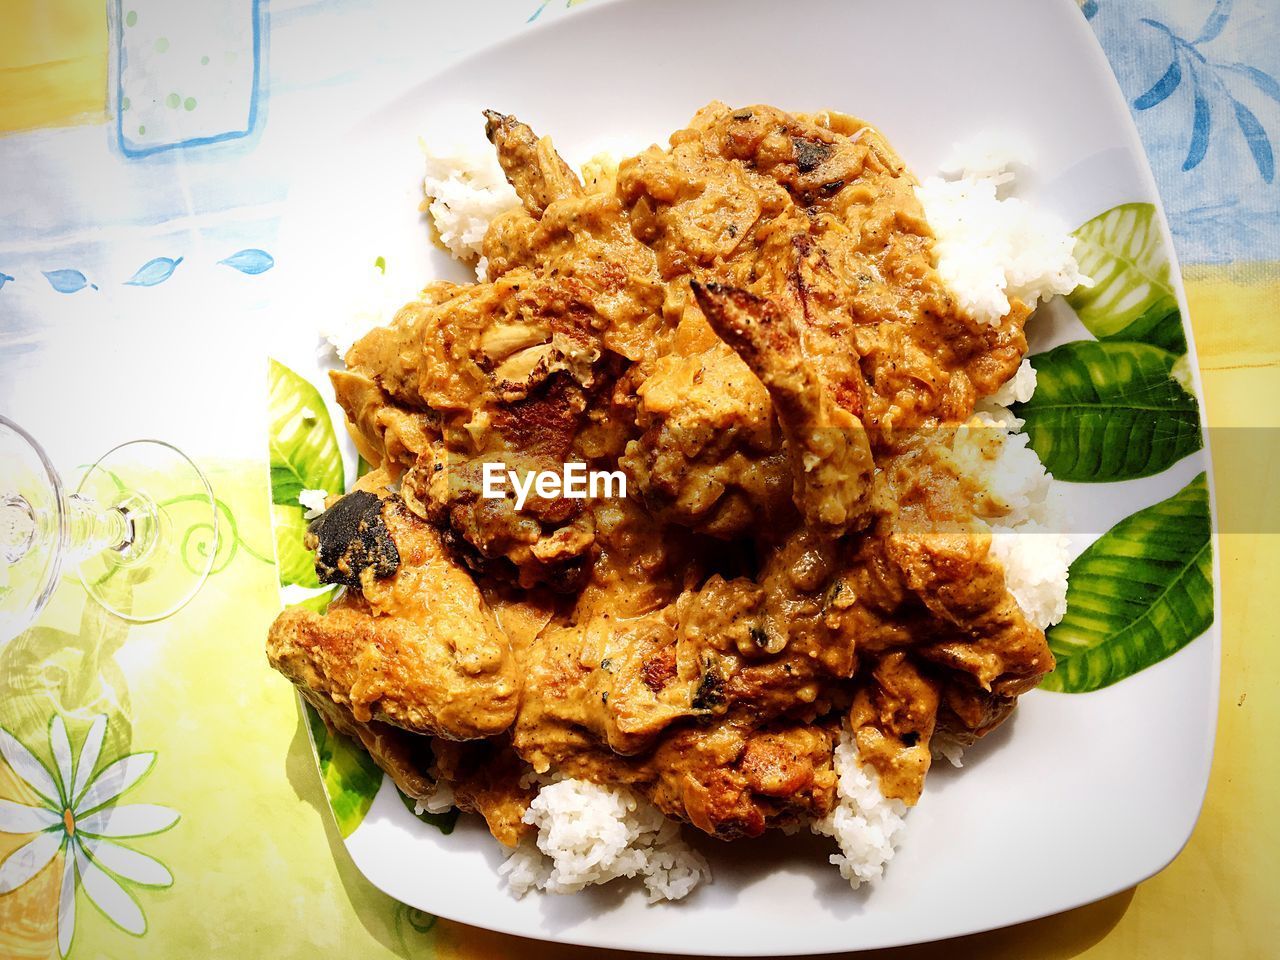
point(146, 150)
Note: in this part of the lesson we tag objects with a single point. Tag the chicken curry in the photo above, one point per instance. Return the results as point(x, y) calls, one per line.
point(749, 324)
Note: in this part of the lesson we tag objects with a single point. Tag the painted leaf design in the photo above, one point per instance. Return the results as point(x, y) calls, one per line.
point(106, 893)
point(1140, 593)
point(1089, 8)
point(5, 278)
point(251, 261)
point(304, 456)
point(153, 271)
point(1132, 297)
point(1256, 137)
point(1216, 21)
point(295, 565)
point(351, 779)
point(1265, 82)
point(1160, 91)
point(1109, 411)
point(444, 822)
point(67, 281)
point(304, 448)
point(1200, 125)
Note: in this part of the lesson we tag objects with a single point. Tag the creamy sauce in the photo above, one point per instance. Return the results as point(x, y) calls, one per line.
point(750, 325)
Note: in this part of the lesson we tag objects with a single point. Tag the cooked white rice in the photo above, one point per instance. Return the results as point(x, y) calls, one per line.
point(441, 800)
point(373, 302)
point(945, 747)
point(589, 834)
point(990, 155)
point(1017, 389)
point(1025, 507)
point(1035, 560)
point(312, 503)
point(865, 824)
point(465, 189)
point(990, 248)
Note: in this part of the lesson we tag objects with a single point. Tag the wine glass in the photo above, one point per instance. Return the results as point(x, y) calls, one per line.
point(119, 530)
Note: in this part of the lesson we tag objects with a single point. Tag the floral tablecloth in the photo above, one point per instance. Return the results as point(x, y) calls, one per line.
point(146, 148)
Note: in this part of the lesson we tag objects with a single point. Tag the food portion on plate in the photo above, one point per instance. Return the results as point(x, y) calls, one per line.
point(825, 554)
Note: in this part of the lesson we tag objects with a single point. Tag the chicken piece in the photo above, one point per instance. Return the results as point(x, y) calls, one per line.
point(963, 586)
point(944, 556)
point(772, 645)
point(893, 718)
point(417, 650)
point(830, 455)
point(599, 673)
point(733, 781)
point(532, 166)
point(385, 433)
point(593, 682)
point(507, 371)
point(489, 779)
point(547, 540)
point(405, 757)
point(967, 712)
point(709, 455)
point(727, 778)
point(587, 241)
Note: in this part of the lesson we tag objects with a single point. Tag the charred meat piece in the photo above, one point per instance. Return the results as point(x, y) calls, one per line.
point(351, 539)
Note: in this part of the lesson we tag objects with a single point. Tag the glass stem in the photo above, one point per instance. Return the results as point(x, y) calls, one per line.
point(92, 529)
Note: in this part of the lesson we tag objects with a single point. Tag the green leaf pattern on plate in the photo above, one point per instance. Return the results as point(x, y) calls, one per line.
point(1105, 411)
point(304, 448)
point(305, 456)
point(351, 778)
point(1115, 409)
point(1131, 297)
point(294, 562)
point(1141, 592)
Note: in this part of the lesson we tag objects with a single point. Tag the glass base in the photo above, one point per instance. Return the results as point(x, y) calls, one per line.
point(30, 529)
point(164, 530)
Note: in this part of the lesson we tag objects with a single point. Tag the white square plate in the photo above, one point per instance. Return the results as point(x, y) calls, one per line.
point(1078, 796)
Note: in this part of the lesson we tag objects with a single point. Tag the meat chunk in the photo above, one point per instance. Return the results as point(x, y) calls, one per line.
point(709, 455)
point(531, 164)
point(829, 453)
point(418, 650)
point(893, 719)
point(405, 757)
